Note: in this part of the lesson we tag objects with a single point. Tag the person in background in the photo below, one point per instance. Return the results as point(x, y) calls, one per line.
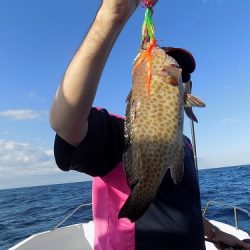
point(91, 141)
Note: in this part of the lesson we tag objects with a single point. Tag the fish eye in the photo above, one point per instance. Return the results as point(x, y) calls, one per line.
point(175, 65)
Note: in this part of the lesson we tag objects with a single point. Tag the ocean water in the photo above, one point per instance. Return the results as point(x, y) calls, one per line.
point(26, 211)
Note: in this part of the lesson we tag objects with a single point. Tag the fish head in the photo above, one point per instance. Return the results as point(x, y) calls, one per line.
point(171, 72)
point(167, 76)
point(160, 71)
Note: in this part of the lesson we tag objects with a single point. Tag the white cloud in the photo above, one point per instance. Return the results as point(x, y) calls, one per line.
point(217, 2)
point(230, 120)
point(241, 119)
point(223, 159)
point(23, 164)
point(17, 159)
point(23, 114)
point(32, 95)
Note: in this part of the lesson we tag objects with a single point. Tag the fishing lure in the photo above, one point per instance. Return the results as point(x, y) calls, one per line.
point(148, 41)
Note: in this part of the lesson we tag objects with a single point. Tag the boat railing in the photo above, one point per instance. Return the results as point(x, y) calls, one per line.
point(209, 203)
point(235, 209)
point(69, 214)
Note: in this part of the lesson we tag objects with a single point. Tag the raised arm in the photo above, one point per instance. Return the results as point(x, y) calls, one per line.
point(76, 93)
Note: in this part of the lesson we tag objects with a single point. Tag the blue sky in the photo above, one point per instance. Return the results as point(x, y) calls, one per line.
point(39, 38)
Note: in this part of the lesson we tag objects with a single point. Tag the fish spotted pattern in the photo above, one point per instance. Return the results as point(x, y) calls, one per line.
point(153, 131)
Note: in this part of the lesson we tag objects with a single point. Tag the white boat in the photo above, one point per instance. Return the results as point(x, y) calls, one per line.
point(81, 236)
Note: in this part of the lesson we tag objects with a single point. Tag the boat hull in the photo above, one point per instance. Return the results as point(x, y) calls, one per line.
point(81, 237)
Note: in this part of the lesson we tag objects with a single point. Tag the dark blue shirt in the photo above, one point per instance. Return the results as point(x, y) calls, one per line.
point(173, 221)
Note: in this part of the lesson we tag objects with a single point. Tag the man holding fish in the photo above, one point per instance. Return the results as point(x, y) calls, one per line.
point(155, 202)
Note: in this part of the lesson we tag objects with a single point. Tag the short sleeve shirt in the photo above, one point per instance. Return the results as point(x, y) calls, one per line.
point(173, 221)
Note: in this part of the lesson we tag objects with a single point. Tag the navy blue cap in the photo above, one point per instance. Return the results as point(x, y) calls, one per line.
point(185, 60)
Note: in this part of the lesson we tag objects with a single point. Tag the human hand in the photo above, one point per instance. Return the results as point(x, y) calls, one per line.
point(119, 10)
point(225, 241)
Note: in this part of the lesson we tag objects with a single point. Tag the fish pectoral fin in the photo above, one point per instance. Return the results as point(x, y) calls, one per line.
point(177, 169)
point(190, 114)
point(193, 101)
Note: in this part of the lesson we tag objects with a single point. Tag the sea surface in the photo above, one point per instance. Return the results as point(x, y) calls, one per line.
point(26, 211)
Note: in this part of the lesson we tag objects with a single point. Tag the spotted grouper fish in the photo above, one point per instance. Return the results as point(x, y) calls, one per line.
point(153, 129)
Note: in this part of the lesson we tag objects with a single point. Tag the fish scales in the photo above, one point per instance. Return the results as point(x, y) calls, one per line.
point(153, 131)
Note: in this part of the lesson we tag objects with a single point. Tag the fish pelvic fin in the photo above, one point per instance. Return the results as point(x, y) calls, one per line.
point(193, 101)
point(177, 169)
point(136, 204)
point(190, 114)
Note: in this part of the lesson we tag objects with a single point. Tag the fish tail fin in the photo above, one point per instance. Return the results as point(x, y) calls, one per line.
point(135, 205)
